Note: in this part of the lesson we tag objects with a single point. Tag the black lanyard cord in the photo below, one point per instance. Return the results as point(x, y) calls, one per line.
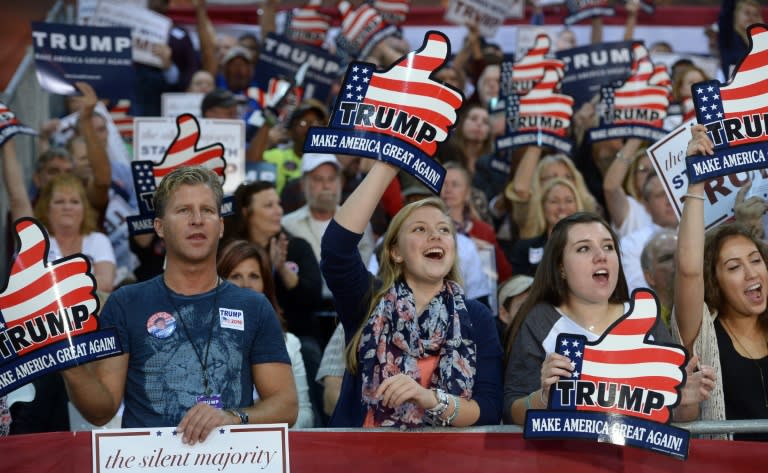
point(203, 360)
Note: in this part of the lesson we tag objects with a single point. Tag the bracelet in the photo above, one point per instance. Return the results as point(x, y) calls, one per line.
point(455, 414)
point(695, 196)
point(442, 404)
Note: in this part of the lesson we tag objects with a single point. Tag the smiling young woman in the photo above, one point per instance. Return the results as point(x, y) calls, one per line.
point(418, 351)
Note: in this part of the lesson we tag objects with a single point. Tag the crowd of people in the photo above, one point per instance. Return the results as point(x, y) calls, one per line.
point(368, 301)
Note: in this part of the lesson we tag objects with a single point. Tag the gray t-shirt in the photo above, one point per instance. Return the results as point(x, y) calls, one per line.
point(166, 336)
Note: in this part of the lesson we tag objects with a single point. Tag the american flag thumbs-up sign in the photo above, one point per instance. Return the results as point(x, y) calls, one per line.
point(47, 312)
point(398, 115)
point(735, 115)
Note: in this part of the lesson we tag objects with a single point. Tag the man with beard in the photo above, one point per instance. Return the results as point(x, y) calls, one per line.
point(321, 184)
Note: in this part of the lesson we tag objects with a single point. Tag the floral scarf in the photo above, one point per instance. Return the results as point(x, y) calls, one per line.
point(395, 338)
point(5, 417)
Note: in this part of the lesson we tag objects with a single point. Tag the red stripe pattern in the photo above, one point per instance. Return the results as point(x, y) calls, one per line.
point(183, 151)
point(623, 356)
point(36, 287)
point(407, 88)
point(745, 95)
point(307, 25)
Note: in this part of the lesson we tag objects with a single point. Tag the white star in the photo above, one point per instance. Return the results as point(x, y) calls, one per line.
point(710, 88)
point(703, 109)
point(575, 343)
point(567, 353)
point(365, 70)
point(699, 91)
point(359, 97)
point(704, 99)
point(719, 115)
point(715, 96)
point(573, 365)
point(2, 325)
point(564, 343)
point(575, 374)
point(708, 116)
point(358, 88)
point(714, 107)
point(354, 78)
point(578, 353)
point(366, 79)
point(349, 86)
point(349, 96)
point(355, 68)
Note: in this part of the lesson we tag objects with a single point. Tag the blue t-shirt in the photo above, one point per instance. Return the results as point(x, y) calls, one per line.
point(166, 335)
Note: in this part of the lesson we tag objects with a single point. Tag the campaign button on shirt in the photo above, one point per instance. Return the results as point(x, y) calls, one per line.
point(161, 325)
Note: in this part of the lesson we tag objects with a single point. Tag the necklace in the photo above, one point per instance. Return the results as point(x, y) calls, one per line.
point(202, 359)
point(732, 334)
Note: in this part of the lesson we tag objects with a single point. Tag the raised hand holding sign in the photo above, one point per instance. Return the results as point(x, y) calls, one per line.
point(579, 10)
point(734, 115)
point(10, 125)
point(47, 310)
point(398, 115)
point(183, 151)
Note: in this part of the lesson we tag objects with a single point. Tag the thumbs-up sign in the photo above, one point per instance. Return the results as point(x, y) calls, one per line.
point(393, 11)
point(530, 69)
point(184, 151)
point(626, 358)
point(542, 108)
point(307, 25)
point(407, 86)
point(37, 287)
point(10, 125)
point(733, 113)
point(362, 28)
point(638, 100)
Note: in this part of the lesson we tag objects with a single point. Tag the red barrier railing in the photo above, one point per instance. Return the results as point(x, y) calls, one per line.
point(422, 452)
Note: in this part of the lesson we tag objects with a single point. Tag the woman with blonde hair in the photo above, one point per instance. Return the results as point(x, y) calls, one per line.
point(533, 172)
point(65, 212)
point(418, 352)
point(558, 198)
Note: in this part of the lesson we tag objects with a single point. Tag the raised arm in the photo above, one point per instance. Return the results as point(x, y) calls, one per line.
point(629, 26)
point(98, 187)
point(521, 184)
point(357, 210)
point(207, 36)
point(613, 182)
point(18, 198)
point(689, 260)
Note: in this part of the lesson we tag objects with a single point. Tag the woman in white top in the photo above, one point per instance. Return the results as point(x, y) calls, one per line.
point(64, 210)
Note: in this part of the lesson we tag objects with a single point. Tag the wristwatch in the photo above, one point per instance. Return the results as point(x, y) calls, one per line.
point(241, 414)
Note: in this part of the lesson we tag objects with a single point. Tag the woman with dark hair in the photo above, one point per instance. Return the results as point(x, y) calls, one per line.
point(418, 351)
point(721, 308)
point(579, 288)
point(296, 272)
point(246, 265)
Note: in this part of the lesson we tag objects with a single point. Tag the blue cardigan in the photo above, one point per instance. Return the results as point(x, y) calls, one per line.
point(352, 286)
